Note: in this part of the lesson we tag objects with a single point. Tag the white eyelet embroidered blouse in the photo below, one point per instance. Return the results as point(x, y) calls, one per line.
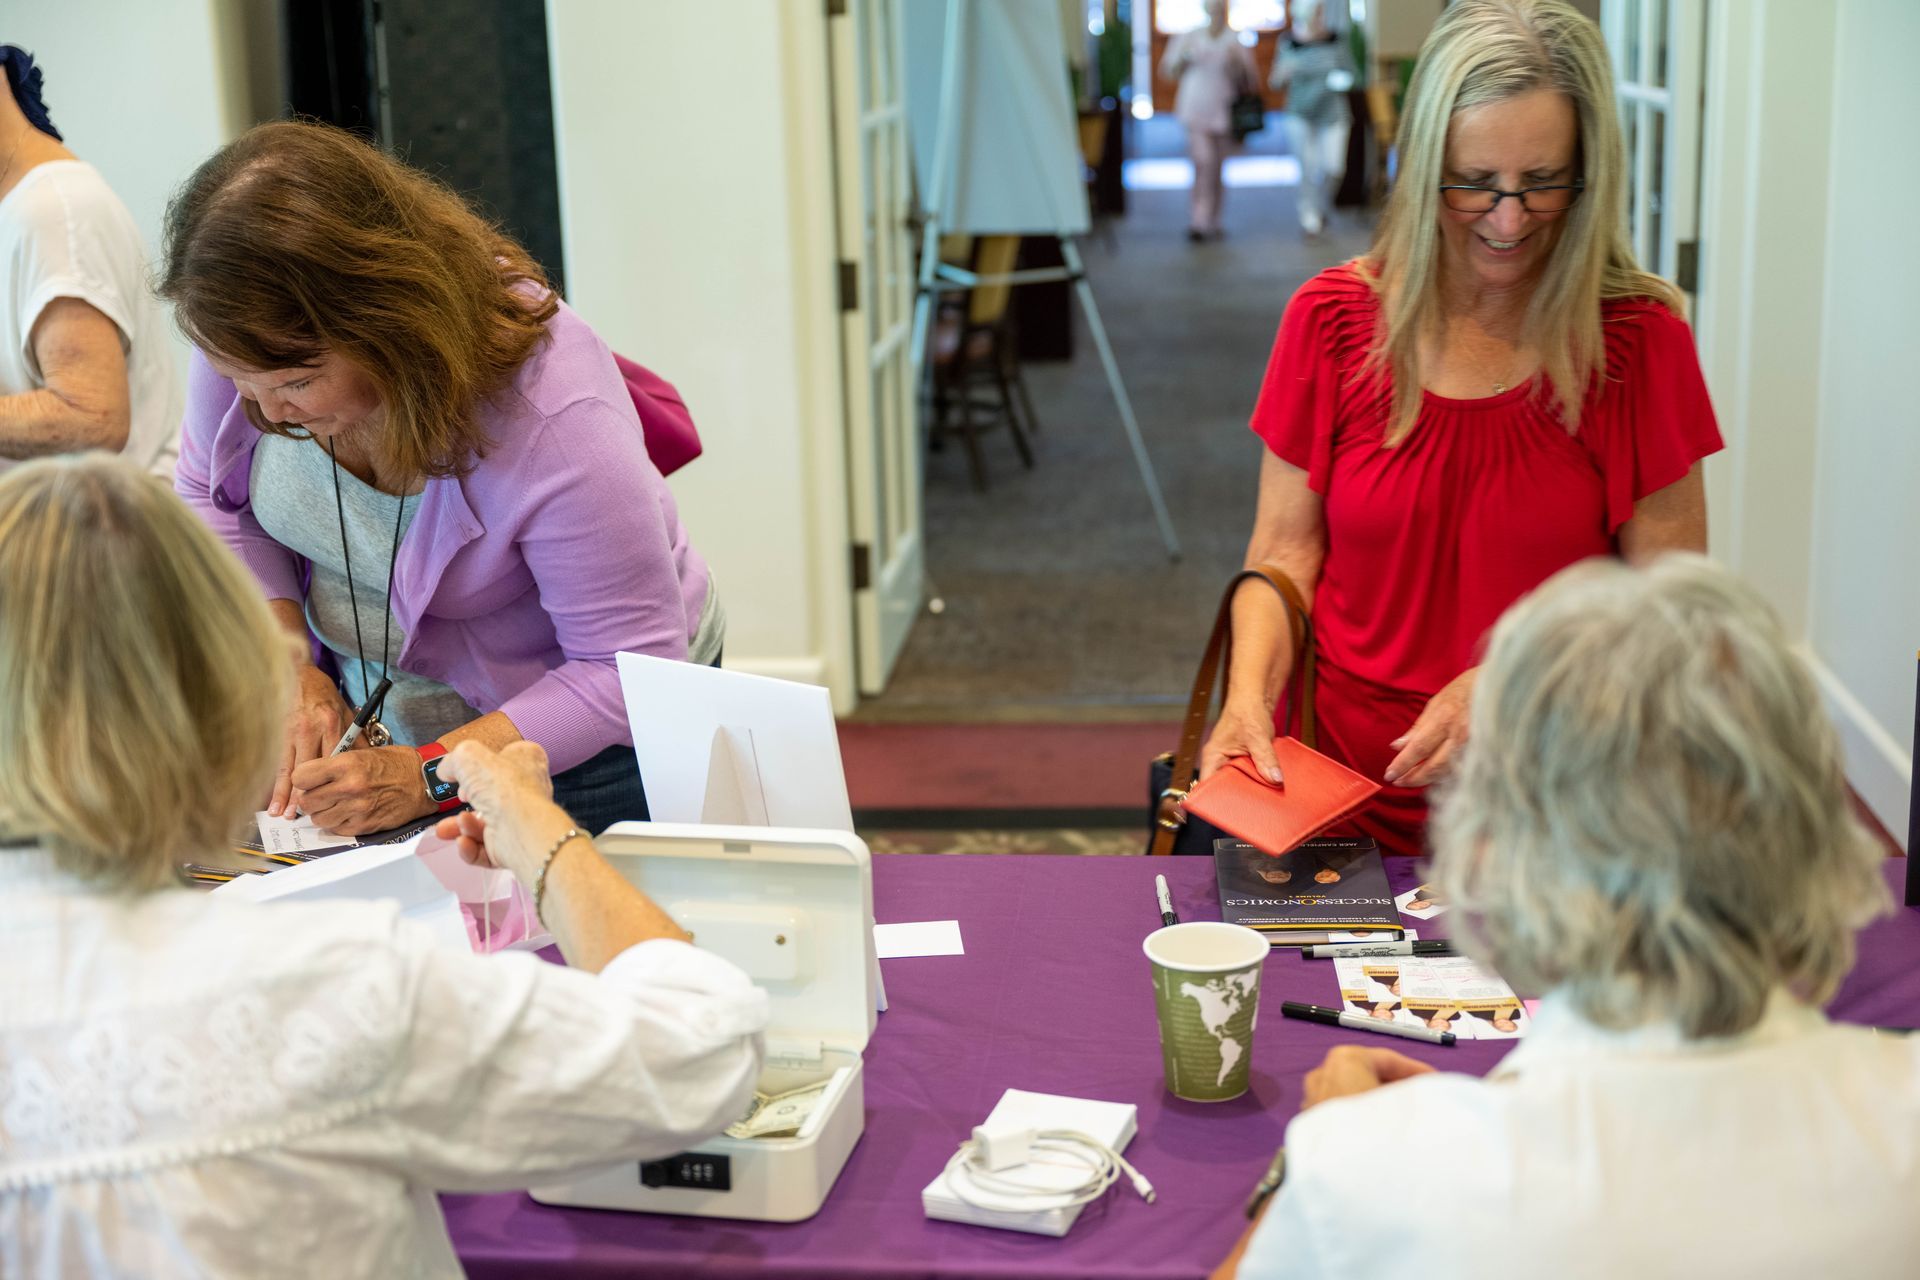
point(191, 1086)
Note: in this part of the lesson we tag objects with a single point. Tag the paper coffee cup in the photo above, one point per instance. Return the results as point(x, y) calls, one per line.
point(1206, 995)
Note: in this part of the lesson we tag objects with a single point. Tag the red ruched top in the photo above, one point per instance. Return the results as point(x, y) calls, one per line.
point(1430, 541)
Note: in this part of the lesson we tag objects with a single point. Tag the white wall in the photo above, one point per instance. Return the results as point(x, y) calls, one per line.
point(1864, 604)
point(1809, 327)
point(1764, 221)
point(696, 194)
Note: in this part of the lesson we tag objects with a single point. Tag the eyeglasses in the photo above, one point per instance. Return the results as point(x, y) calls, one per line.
point(1465, 199)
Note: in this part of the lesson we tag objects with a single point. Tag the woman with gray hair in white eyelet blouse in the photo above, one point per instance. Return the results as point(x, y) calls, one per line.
point(191, 1086)
point(1650, 826)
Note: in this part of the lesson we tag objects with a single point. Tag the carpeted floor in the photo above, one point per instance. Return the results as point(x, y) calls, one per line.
point(1094, 841)
point(1001, 788)
point(1059, 601)
point(977, 767)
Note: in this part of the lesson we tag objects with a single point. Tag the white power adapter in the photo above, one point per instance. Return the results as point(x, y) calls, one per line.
point(1034, 1161)
point(980, 1162)
point(997, 1149)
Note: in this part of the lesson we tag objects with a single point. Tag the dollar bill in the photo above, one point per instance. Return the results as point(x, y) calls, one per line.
point(778, 1115)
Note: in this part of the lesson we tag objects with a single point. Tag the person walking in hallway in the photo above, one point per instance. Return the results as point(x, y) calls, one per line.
point(1211, 67)
point(1314, 67)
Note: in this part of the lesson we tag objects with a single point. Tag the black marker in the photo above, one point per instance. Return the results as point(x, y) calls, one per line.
point(1361, 1022)
point(368, 710)
point(1423, 947)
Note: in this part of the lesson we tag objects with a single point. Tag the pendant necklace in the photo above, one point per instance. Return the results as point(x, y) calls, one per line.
point(377, 734)
point(1500, 384)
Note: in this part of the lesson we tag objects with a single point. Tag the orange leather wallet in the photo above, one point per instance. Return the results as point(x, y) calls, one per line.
point(1317, 793)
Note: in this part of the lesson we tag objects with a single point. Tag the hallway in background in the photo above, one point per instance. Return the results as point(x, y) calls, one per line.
point(1059, 602)
point(1022, 715)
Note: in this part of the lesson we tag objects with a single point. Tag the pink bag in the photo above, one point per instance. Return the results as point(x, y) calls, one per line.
point(664, 421)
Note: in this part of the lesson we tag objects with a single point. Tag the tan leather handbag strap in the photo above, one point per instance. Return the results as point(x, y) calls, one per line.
point(1213, 673)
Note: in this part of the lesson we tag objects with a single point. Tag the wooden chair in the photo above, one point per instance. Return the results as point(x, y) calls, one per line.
point(1093, 147)
point(1385, 118)
point(974, 353)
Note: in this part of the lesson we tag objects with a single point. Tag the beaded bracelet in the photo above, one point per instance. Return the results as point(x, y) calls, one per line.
point(540, 881)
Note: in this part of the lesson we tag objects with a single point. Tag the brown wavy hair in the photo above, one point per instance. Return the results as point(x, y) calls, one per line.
point(299, 238)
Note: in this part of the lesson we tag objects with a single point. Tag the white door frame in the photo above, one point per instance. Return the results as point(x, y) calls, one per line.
point(876, 270)
point(1660, 98)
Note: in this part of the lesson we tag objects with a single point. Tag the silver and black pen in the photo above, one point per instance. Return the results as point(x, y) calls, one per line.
point(1166, 901)
point(1344, 950)
point(364, 716)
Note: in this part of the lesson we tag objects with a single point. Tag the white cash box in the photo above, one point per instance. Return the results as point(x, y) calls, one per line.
point(794, 909)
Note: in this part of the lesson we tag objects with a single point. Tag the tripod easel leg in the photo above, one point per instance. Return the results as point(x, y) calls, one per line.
point(1148, 476)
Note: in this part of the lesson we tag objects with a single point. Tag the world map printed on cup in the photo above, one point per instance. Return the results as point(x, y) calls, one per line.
point(1206, 979)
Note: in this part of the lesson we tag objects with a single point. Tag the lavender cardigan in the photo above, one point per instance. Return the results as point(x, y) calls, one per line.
point(519, 581)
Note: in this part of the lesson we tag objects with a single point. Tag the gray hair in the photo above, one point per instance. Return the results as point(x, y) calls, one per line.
point(1651, 816)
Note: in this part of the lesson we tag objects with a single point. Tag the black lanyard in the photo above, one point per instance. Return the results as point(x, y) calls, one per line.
point(353, 597)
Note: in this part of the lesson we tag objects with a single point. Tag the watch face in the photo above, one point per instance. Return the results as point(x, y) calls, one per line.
point(439, 791)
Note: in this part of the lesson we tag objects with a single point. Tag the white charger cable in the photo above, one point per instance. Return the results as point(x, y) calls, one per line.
point(982, 1160)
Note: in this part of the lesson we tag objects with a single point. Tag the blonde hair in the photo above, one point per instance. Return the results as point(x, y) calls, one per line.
point(1480, 52)
point(1651, 816)
point(143, 680)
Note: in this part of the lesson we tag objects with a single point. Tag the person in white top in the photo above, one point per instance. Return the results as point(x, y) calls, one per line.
point(196, 1086)
point(85, 358)
point(1313, 66)
point(1211, 67)
point(1650, 825)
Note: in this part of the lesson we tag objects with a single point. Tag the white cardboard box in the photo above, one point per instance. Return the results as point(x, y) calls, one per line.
point(794, 909)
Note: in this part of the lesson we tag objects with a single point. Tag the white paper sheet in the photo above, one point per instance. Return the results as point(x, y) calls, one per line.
point(371, 872)
point(779, 730)
point(297, 835)
point(919, 938)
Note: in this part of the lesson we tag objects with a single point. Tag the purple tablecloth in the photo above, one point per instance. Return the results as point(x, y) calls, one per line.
point(1053, 996)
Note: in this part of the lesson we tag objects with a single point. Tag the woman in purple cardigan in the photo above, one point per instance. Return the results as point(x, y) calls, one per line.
point(434, 469)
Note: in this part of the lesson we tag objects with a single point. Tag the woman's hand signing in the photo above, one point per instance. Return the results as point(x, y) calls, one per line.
point(355, 792)
point(315, 721)
point(1427, 750)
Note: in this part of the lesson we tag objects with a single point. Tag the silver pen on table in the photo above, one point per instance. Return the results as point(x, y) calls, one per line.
point(1166, 901)
point(1405, 947)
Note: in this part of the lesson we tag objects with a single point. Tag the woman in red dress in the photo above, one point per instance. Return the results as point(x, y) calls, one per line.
point(1493, 392)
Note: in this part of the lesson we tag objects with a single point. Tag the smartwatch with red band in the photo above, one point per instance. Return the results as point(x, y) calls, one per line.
point(445, 795)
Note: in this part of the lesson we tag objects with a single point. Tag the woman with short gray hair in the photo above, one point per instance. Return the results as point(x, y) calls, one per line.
point(1651, 827)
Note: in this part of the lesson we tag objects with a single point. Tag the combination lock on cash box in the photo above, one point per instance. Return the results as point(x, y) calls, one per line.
point(694, 1169)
